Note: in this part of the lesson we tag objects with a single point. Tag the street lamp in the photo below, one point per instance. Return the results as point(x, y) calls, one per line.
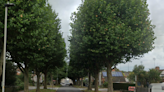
point(4, 48)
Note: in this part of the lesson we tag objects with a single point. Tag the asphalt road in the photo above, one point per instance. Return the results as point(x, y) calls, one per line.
point(68, 89)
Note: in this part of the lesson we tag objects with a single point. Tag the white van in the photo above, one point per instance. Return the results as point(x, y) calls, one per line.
point(157, 87)
point(66, 82)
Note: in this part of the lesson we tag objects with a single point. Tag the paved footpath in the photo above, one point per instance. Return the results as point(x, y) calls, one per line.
point(68, 89)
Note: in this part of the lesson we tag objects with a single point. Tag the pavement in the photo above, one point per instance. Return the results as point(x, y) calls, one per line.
point(67, 89)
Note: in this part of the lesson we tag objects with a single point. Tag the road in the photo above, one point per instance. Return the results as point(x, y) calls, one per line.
point(68, 89)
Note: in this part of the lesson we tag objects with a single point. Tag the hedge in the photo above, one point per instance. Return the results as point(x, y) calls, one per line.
point(119, 86)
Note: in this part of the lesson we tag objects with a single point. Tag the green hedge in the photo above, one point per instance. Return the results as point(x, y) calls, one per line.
point(122, 86)
point(119, 86)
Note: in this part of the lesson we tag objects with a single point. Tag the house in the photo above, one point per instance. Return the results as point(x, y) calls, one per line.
point(162, 72)
point(117, 77)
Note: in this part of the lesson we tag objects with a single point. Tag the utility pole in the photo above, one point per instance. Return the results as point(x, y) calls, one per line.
point(154, 62)
point(128, 66)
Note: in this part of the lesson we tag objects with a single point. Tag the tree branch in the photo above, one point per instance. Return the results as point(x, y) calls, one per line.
point(20, 67)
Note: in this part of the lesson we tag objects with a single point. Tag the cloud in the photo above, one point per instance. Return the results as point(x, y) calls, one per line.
point(64, 8)
point(156, 9)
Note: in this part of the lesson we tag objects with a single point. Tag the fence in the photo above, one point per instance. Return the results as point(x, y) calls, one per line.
point(139, 89)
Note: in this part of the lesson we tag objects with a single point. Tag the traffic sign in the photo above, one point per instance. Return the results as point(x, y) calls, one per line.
point(131, 88)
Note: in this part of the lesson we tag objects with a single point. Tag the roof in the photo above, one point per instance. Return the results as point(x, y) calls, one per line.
point(162, 73)
point(114, 74)
point(126, 73)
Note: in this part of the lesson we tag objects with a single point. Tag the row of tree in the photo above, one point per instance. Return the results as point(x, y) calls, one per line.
point(106, 33)
point(144, 77)
point(34, 38)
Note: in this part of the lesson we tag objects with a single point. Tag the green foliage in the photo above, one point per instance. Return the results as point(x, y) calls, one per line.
point(109, 32)
point(154, 76)
point(138, 69)
point(122, 86)
point(119, 86)
point(119, 30)
point(10, 78)
point(34, 38)
point(131, 77)
point(143, 77)
point(20, 82)
point(105, 84)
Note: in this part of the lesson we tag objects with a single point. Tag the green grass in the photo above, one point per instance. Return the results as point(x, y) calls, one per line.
point(43, 90)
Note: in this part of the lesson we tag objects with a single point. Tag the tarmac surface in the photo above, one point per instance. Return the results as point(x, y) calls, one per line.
point(68, 89)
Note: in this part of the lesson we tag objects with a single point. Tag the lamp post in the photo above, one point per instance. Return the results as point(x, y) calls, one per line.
point(4, 48)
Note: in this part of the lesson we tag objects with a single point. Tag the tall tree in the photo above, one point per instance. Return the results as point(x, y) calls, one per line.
point(26, 29)
point(119, 30)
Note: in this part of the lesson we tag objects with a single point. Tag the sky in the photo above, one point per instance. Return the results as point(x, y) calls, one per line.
point(154, 58)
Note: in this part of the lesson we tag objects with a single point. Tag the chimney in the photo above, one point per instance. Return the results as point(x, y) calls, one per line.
point(157, 68)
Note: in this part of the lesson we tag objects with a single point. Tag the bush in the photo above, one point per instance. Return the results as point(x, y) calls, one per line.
point(119, 86)
point(122, 86)
point(20, 82)
point(105, 84)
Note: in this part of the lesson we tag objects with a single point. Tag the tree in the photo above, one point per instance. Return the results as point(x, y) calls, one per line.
point(10, 74)
point(131, 77)
point(25, 21)
point(117, 30)
point(143, 77)
point(138, 71)
point(154, 76)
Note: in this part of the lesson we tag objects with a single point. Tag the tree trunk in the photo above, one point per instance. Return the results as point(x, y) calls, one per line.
point(96, 80)
point(81, 82)
point(74, 83)
point(109, 77)
point(45, 80)
point(51, 80)
point(26, 79)
point(38, 81)
point(1, 62)
point(78, 80)
point(90, 82)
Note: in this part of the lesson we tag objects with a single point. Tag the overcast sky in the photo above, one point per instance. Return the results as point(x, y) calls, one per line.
point(65, 7)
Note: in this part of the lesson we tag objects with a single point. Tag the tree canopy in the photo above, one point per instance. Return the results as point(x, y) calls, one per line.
point(34, 37)
point(112, 32)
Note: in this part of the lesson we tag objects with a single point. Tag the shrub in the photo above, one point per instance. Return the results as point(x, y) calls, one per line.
point(20, 82)
point(119, 86)
point(122, 86)
point(105, 84)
